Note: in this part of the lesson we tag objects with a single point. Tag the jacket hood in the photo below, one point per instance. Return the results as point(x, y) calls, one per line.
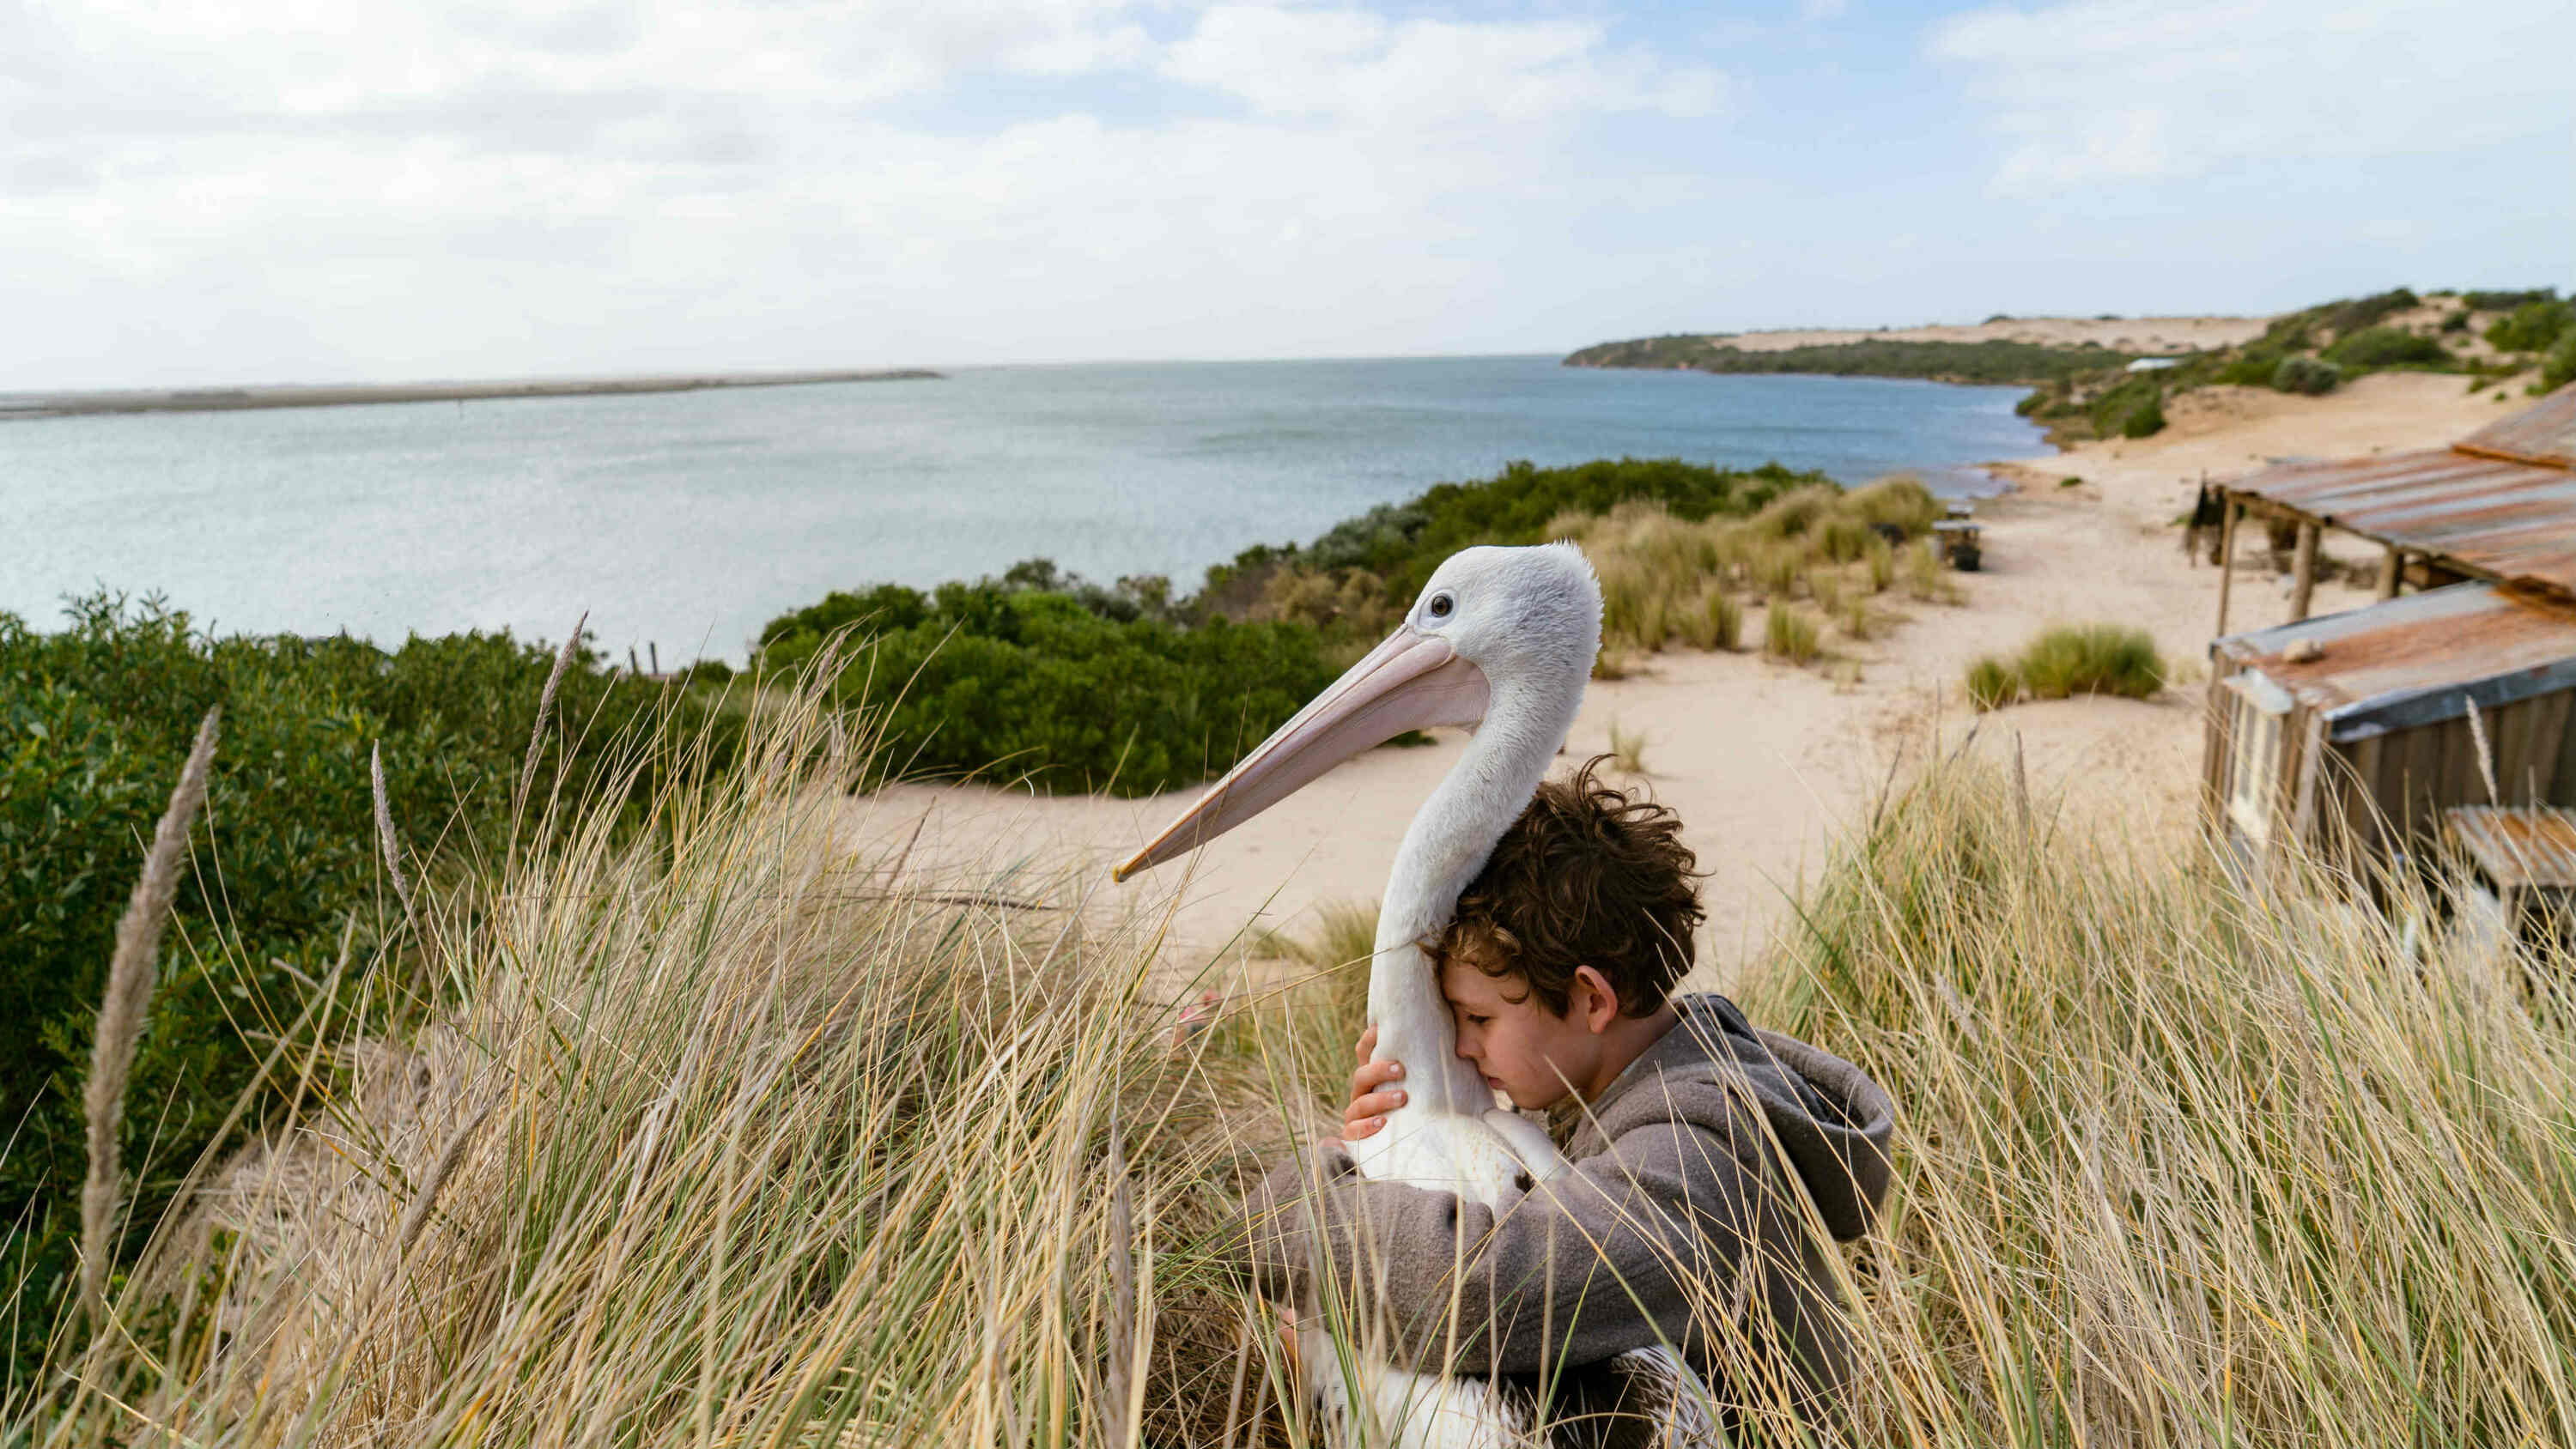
point(1833, 1124)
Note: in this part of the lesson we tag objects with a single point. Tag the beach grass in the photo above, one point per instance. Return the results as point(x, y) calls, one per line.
point(709, 1133)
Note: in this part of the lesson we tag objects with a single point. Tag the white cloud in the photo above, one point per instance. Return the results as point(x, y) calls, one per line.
point(285, 188)
point(1357, 66)
point(2096, 91)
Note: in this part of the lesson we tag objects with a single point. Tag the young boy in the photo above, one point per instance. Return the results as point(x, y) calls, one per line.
point(1692, 1136)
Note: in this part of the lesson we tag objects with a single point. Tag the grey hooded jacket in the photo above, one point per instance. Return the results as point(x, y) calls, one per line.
point(1683, 1222)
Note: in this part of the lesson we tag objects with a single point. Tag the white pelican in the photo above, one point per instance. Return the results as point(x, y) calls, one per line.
point(1502, 639)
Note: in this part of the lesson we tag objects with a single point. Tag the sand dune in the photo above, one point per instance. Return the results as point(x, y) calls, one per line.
point(2122, 334)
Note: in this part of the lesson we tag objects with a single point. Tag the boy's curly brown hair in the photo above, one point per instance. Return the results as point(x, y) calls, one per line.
point(1587, 876)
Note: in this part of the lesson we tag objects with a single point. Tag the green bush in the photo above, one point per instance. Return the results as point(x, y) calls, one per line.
point(2090, 659)
point(2385, 347)
point(2348, 317)
point(2306, 376)
point(1993, 361)
point(1009, 681)
point(95, 721)
point(2532, 327)
point(2559, 368)
point(2111, 410)
point(2146, 419)
point(2507, 301)
point(1992, 684)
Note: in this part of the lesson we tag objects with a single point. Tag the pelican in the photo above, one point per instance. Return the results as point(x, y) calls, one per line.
point(1501, 639)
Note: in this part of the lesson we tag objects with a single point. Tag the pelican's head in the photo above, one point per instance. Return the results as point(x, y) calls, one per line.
point(1516, 624)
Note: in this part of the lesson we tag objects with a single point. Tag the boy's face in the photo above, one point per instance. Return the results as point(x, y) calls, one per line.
point(1522, 1048)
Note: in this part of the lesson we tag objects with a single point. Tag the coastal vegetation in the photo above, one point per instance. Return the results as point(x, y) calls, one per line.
point(2087, 391)
point(1993, 361)
point(1035, 676)
point(699, 1132)
point(1043, 677)
point(95, 719)
point(2067, 660)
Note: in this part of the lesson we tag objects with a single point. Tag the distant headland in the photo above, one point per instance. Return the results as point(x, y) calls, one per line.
point(303, 395)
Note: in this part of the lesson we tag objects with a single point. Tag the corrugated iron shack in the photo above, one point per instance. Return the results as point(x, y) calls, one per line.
point(2361, 729)
point(2499, 504)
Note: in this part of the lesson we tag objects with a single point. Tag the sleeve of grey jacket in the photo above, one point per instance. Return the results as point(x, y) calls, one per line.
point(1598, 1261)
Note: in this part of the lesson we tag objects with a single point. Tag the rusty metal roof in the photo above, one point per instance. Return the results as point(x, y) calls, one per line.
point(2500, 502)
point(2544, 434)
point(2416, 660)
point(2518, 845)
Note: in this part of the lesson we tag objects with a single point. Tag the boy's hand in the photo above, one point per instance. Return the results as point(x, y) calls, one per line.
point(1371, 1097)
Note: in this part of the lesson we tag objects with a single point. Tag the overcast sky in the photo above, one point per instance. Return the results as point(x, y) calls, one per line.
point(274, 190)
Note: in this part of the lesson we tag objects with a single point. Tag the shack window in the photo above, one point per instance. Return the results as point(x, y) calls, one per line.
point(2254, 762)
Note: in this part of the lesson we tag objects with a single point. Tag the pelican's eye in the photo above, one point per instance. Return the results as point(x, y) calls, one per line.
point(1441, 606)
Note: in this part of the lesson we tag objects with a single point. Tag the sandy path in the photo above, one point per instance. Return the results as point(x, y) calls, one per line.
point(1765, 762)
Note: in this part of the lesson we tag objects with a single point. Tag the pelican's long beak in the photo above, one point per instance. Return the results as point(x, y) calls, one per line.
point(1412, 681)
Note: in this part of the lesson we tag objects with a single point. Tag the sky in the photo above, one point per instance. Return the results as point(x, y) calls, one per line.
point(314, 190)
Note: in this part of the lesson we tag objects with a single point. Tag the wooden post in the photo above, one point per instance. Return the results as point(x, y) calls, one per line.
point(2303, 571)
point(2392, 573)
point(2227, 558)
point(655, 651)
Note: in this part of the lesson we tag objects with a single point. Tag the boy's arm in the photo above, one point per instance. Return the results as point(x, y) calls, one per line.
point(1603, 1259)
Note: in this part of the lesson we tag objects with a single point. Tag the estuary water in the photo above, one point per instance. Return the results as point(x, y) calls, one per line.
point(689, 519)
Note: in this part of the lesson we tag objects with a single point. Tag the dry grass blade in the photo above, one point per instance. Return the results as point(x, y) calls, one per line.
point(545, 707)
point(125, 1009)
point(1118, 1404)
point(386, 840)
point(416, 1216)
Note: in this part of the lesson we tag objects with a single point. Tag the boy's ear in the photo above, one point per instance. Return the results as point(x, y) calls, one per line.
point(1596, 1003)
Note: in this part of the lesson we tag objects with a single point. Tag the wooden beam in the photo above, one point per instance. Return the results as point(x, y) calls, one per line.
point(2392, 573)
point(2227, 558)
point(2303, 571)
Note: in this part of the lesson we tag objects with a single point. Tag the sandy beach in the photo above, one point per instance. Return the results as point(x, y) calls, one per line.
point(1767, 762)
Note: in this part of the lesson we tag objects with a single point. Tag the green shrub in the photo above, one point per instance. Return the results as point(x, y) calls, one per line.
point(1992, 361)
point(1789, 633)
point(95, 720)
point(2532, 327)
point(1992, 684)
point(2111, 410)
point(2507, 301)
point(2145, 420)
point(2348, 317)
point(1011, 681)
point(2559, 368)
point(2090, 659)
point(2306, 376)
point(2457, 321)
point(2385, 347)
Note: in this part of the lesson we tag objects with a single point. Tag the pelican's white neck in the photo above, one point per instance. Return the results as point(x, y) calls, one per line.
point(1448, 843)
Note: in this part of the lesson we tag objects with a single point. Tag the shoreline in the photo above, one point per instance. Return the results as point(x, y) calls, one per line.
point(30, 406)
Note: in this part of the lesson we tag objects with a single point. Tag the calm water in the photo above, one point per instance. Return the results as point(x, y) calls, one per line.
point(691, 518)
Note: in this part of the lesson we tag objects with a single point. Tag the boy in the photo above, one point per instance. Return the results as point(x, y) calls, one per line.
point(1692, 1137)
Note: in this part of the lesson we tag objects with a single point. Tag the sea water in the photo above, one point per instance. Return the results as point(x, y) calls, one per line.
point(686, 520)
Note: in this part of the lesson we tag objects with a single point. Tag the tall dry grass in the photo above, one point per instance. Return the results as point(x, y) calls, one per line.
point(1666, 579)
point(711, 1138)
point(2189, 1160)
